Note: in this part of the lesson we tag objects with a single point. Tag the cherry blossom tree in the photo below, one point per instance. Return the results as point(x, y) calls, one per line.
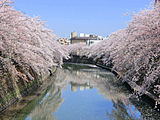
point(157, 2)
point(29, 39)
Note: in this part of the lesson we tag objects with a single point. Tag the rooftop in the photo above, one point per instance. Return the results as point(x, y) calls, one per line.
point(85, 38)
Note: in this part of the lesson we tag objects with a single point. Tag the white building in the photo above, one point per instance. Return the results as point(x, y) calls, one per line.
point(85, 38)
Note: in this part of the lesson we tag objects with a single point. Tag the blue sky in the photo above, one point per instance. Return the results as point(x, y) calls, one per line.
point(99, 17)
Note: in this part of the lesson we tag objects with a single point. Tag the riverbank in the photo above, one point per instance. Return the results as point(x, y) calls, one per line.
point(20, 109)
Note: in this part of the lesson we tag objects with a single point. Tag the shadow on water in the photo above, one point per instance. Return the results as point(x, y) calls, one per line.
point(81, 92)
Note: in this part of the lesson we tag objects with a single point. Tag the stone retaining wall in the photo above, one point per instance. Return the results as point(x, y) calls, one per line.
point(18, 80)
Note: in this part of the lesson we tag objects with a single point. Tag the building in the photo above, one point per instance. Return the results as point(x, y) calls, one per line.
point(85, 38)
point(64, 41)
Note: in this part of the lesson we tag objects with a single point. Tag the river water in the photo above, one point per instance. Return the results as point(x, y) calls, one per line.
point(82, 92)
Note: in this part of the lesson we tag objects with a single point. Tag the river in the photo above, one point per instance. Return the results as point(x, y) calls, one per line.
point(81, 92)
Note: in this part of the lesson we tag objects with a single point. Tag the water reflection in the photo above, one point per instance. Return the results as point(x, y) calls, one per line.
point(47, 106)
point(82, 87)
point(104, 81)
point(121, 111)
point(86, 93)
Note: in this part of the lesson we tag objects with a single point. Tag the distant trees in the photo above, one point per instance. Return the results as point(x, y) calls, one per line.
point(77, 48)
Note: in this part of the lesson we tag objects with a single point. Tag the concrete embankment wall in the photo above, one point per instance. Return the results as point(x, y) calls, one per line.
point(148, 97)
